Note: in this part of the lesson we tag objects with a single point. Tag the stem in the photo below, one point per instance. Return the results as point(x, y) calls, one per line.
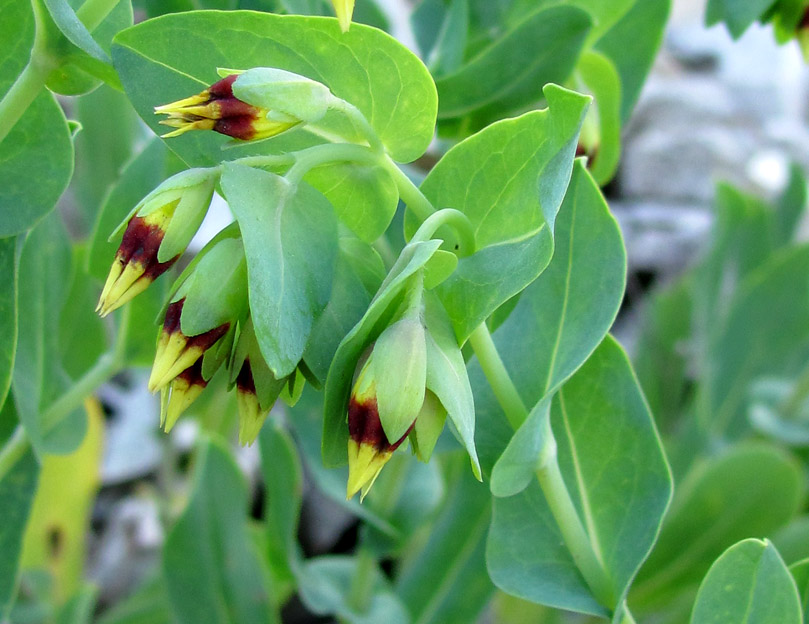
point(312, 157)
point(21, 94)
point(93, 12)
point(456, 220)
point(496, 374)
point(409, 192)
point(548, 475)
point(576, 538)
point(360, 123)
point(13, 450)
point(105, 367)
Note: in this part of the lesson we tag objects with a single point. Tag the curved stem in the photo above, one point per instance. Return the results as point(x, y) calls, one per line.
point(21, 94)
point(496, 374)
point(312, 157)
point(360, 123)
point(549, 474)
point(13, 450)
point(455, 219)
point(408, 191)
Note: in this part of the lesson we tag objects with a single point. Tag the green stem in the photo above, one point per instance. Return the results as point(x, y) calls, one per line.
point(496, 374)
point(454, 219)
point(21, 94)
point(13, 450)
point(105, 367)
point(93, 12)
point(361, 124)
point(307, 159)
point(548, 475)
point(409, 192)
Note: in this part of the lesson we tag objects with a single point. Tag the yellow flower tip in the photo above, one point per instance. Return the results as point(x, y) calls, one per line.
point(251, 416)
point(180, 105)
point(183, 391)
point(365, 463)
point(117, 288)
point(344, 9)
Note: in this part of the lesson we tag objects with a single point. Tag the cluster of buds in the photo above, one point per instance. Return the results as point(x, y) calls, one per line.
point(157, 232)
point(390, 403)
point(252, 105)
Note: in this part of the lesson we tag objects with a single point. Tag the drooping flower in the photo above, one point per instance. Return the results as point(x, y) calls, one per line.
point(157, 232)
point(217, 109)
point(182, 391)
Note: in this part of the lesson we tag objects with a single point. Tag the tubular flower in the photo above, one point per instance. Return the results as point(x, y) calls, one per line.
point(175, 351)
point(217, 109)
point(136, 265)
point(183, 390)
point(157, 232)
point(368, 447)
point(251, 415)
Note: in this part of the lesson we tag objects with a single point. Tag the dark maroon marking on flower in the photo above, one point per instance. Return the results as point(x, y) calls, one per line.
point(365, 427)
point(240, 127)
point(804, 23)
point(193, 375)
point(244, 382)
point(139, 246)
point(223, 88)
point(171, 323)
point(581, 150)
point(206, 340)
point(233, 107)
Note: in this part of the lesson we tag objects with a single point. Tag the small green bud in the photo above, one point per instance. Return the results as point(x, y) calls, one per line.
point(281, 92)
point(428, 427)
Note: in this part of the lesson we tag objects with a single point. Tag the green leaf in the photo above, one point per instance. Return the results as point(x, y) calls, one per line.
point(766, 333)
point(621, 495)
point(357, 275)
point(325, 584)
point(8, 313)
point(211, 571)
point(364, 198)
point(373, 322)
point(632, 44)
point(748, 584)
point(737, 15)
point(148, 603)
point(512, 71)
point(748, 490)
point(290, 240)
point(177, 55)
point(447, 377)
point(39, 378)
point(444, 46)
point(800, 574)
point(68, 23)
point(40, 141)
point(601, 78)
point(791, 205)
point(17, 488)
point(445, 581)
point(283, 479)
point(563, 316)
point(103, 147)
point(509, 179)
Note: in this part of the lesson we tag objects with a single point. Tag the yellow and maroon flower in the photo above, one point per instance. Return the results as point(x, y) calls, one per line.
point(183, 390)
point(157, 232)
point(217, 109)
point(251, 414)
point(176, 352)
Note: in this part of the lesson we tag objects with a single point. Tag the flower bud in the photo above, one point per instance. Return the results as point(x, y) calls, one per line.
point(159, 229)
point(251, 414)
point(428, 427)
point(218, 109)
point(176, 351)
point(183, 390)
point(368, 447)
